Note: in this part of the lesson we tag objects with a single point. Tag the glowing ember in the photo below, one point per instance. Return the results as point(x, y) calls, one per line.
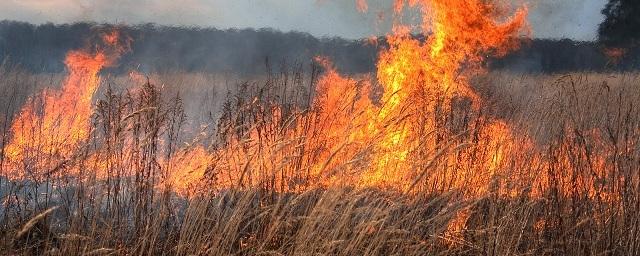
point(615, 55)
point(362, 5)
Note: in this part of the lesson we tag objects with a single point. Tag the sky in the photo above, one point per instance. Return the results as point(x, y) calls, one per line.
point(575, 19)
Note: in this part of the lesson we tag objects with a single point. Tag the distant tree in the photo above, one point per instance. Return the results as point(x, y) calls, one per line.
point(621, 27)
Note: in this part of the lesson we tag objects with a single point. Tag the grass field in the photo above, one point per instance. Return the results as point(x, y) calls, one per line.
point(199, 164)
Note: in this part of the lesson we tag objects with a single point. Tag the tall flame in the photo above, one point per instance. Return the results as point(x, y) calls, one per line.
point(421, 82)
point(57, 127)
point(354, 140)
point(371, 142)
point(419, 77)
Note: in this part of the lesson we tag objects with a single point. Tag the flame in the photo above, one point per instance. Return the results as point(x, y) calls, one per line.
point(419, 77)
point(362, 5)
point(615, 55)
point(192, 164)
point(403, 140)
point(406, 140)
point(353, 140)
point(365, 143)
point(58, 127)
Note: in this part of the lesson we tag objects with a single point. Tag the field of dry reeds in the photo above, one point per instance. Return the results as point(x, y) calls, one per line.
point(565, 182)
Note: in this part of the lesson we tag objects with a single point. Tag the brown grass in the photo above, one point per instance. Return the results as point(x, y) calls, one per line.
point(126, 215)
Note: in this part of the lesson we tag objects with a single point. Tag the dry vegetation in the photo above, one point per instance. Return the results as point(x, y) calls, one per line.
point(583, 199)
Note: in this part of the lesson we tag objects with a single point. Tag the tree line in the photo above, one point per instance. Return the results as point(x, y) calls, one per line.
point(41, 48)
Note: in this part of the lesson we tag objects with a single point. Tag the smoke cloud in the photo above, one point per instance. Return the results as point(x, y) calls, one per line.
point(574, 19)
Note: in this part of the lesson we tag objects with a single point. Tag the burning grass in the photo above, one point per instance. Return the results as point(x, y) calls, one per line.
point(429, 156)
point(568, 187)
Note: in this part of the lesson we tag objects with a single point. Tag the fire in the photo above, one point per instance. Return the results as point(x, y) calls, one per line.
point(192, 165)
point(365, 143)
point(424, 132)
point(362, 5)
point(419, 77)
point(346, 138)
point(615, 55)
point(57, 127)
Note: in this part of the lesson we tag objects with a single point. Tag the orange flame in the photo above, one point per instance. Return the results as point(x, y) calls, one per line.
point(365, 143)
point(57, 128)
point(422, 76)
point(362, 5)
point(354, 140)
point(615, 55)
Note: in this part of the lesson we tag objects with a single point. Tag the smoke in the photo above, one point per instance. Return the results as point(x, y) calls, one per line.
point(193, 48)
point(621, 27)
point(574, 19)
point(320, 18)
point(159, 49)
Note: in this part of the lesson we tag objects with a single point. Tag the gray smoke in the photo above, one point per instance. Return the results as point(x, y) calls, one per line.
point(575, 19)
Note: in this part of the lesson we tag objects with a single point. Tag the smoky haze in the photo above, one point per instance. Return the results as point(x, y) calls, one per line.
point(203, 35)
point(42, 48)
point(155, 48)
point(573, 19)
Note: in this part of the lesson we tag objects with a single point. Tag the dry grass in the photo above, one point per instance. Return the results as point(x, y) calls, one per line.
point(587, 207)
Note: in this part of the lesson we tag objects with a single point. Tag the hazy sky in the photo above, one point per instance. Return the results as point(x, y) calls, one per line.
point(576, 19)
